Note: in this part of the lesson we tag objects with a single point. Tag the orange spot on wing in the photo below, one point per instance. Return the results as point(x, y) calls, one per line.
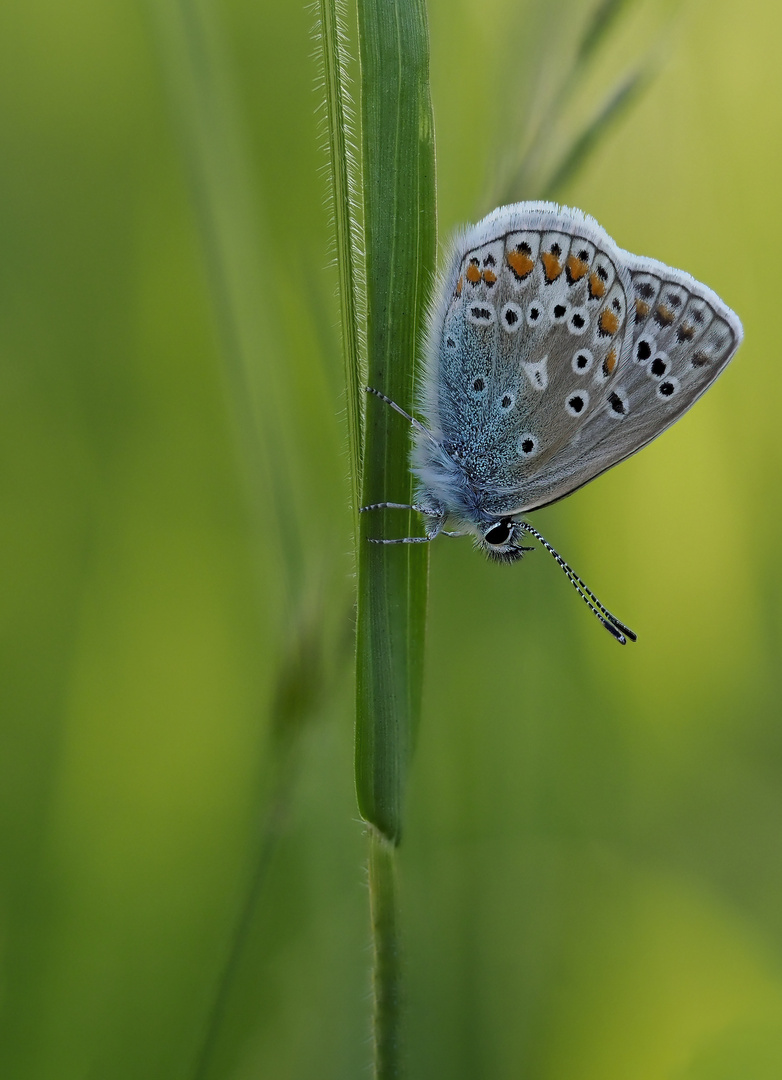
point(489, 277)
point(473, 274)
point(609, 322)
point(609, 364)
point(576, 268)
point(663, 315)
point(459, 285)
point(641, 310)
point(686, 332)
point(551, 265)
point(597, 286)
point(520, 264)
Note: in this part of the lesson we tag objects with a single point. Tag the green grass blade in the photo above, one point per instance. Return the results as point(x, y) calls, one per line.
point(400, 244)
point(400, 238)
point(343, 171)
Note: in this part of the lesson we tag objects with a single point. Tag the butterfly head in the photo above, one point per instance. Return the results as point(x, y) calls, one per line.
point(499, 540)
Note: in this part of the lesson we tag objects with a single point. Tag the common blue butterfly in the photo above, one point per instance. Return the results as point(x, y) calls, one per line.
point(551, 355)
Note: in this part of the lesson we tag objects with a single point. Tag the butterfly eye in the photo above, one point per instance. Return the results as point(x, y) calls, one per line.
point(499, 534)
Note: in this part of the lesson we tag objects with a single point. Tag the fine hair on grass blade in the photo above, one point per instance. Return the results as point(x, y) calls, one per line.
point(344, 191)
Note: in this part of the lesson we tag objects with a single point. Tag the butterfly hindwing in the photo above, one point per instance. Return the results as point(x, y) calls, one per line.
point(682, 337)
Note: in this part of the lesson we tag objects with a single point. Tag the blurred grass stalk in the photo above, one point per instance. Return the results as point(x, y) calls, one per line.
point(397, 199)
point(206, 119)
point(533, 175)
point(207, 124)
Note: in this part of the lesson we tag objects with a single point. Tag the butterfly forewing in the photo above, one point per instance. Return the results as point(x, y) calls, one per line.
point(536, 328)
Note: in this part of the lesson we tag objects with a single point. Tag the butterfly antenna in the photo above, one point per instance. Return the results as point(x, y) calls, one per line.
point(411, 419)
point(609, 621)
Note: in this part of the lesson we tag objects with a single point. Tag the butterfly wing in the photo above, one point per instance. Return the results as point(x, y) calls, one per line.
point(531, 323)
point(682, 337)
point(552, 355)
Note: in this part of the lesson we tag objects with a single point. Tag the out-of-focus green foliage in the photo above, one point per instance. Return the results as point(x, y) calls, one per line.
point(592, 875)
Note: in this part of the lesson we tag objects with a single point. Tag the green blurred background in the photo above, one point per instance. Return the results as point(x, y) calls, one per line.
point(592, 868)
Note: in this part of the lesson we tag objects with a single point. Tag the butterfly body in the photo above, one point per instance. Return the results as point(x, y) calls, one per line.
point(551, 355)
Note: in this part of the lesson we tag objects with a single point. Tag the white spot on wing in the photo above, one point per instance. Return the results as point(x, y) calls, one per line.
point(577, 402)
point(537, 373)
point(668, 388)
point(511, 317)
point(578, 323)
point(582, 361)
point(658, 366)
point(480, 313)
point(618, 403)
point(536, 314)
point(528, 445)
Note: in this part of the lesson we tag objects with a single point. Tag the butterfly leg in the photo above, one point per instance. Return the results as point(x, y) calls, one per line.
point(433, 529)
point(400, 506)
point(411, 419)
point(393, 404)
point(404, 540)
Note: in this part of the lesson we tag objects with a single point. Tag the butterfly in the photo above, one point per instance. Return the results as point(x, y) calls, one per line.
point(551, 356)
